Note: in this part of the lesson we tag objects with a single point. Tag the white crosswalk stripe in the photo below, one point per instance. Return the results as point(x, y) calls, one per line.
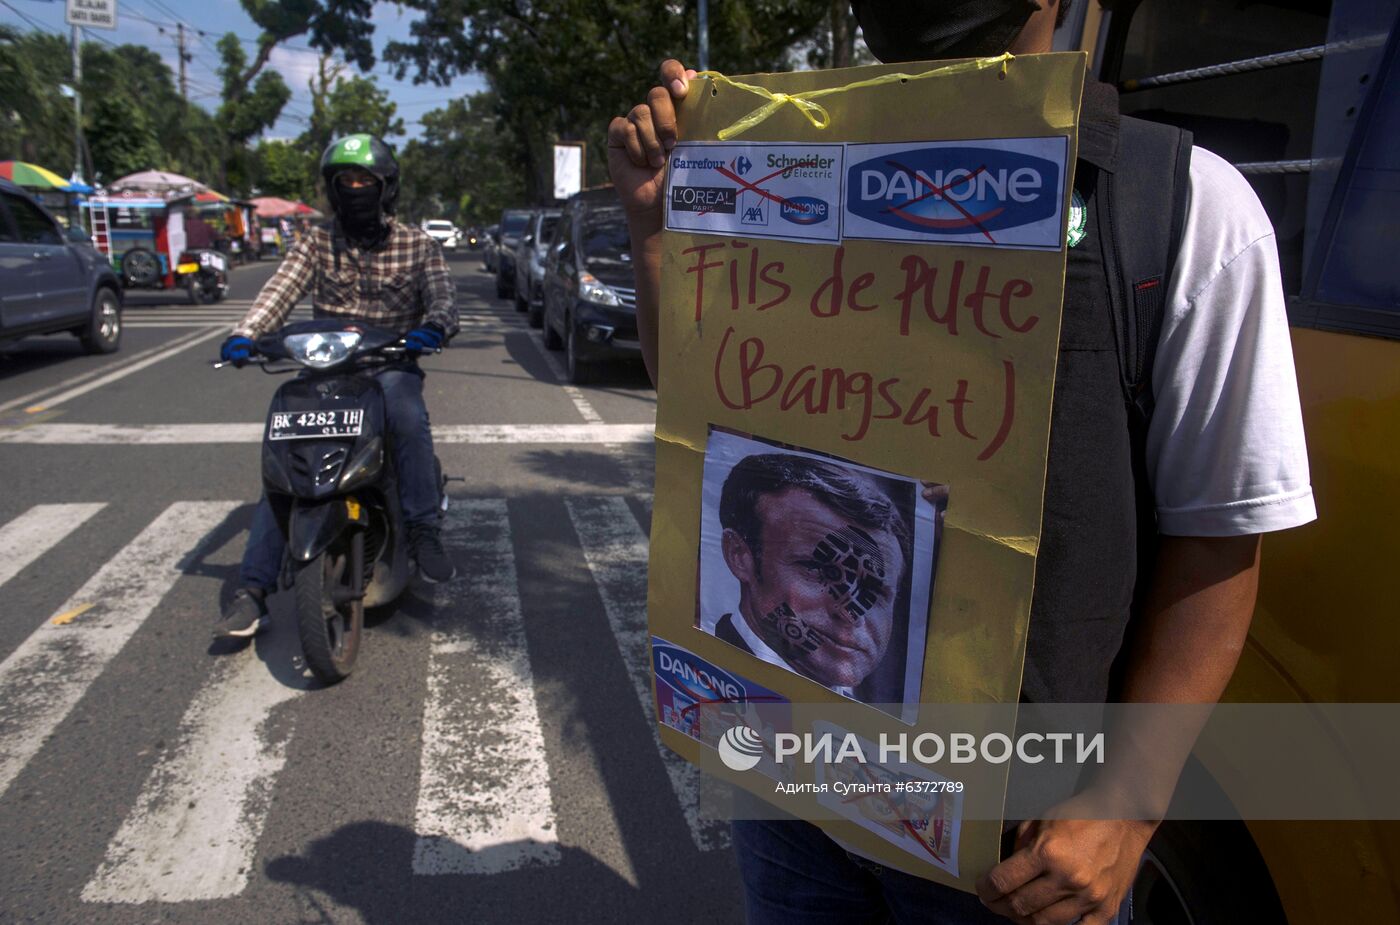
point(197, 821)
point(49, 672)
point(616, 552)
point(484, 803)
point(36, 531)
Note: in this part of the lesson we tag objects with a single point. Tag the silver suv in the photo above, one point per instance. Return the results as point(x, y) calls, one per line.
point(52, 280)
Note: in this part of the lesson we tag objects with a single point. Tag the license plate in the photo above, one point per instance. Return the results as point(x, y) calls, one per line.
point(307, 425)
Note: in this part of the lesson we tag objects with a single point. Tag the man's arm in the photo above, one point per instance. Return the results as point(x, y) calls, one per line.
point(440, 296)
point(1184, 651)
point(281, 293)
point(637, 147)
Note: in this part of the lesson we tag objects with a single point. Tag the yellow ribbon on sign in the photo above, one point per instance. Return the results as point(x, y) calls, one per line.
point(815, 112)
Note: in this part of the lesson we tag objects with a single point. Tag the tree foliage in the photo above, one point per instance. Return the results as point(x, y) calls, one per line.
point(346, 105)
point(561, 69)
point(133, 117)
point(461, 168)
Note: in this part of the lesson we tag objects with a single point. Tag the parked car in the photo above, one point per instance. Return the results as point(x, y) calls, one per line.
point(52, 280)
point(529, 260)
point(590, 303)
point(489, 242)
point(443, 232)
point(513, 222)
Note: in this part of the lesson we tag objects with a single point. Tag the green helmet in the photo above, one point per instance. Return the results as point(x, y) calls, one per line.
point(368, 153)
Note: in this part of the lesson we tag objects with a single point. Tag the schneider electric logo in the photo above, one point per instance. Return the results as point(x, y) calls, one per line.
point(740, 748)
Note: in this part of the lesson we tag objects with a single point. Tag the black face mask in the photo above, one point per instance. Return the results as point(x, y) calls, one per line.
point(918, 30)
point(359, 213)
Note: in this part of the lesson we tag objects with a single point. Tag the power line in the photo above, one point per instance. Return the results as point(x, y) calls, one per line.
point(33, 23)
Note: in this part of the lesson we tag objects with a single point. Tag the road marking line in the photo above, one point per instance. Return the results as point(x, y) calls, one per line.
point(130, 368)
point(48, 674)
point(615, 549)
point(174, 434)
point(84, 376)
point(484, 802)
point(575, 394)
point(195, 827)
point(36, 531)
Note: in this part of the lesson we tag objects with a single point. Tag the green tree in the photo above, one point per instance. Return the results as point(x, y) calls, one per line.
point(287, 170)
point(343, 106)
point(461, 167)
point(36, 121)
point(561, 69)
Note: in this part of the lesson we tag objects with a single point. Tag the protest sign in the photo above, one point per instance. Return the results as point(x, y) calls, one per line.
point(862, 281)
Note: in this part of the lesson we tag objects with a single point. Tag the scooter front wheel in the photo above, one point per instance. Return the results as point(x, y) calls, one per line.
point(330, 615)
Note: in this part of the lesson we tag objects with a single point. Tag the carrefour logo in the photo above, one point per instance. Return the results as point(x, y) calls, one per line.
point(954, 190)
point(804, 210)
point(694, 677)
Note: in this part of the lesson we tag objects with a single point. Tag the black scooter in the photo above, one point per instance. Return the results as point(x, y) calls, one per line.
point(329, 475)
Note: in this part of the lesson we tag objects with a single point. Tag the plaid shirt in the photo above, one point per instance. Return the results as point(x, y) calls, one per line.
point(401, 284)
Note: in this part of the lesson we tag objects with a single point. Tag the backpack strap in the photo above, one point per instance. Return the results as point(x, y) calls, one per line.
point(1140, 248)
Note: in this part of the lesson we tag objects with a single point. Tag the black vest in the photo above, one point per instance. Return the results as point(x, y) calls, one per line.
point(1097, 506)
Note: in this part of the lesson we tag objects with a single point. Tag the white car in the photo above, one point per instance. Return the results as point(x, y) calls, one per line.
point(444, 232)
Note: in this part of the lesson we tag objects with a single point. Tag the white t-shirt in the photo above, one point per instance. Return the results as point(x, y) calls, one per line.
point(1225, 448)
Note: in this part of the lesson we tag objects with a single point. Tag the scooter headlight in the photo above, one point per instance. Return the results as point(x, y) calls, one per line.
point(321, 350)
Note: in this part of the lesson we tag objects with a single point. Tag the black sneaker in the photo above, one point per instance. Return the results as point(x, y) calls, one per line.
point(244, 616)
point(433, 564)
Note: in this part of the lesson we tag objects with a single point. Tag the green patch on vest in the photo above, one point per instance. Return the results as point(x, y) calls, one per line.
point(1078, 218)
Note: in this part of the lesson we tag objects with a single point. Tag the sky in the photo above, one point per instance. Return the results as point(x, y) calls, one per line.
point(153, 23)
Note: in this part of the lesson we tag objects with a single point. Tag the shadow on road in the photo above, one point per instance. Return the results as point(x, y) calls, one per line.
point(366, 866)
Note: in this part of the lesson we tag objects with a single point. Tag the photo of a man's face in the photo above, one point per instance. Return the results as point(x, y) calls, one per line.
point(817, 565)
point(818, 589)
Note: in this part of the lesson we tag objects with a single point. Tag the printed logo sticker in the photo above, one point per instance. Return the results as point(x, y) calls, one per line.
point(732, 715)
point(993, 193)
point(782, 191)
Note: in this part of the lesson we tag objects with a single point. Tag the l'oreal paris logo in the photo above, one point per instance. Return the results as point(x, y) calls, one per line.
point(957, 189)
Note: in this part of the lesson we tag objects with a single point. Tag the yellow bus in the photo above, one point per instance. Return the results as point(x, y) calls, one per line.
point(1304, 97)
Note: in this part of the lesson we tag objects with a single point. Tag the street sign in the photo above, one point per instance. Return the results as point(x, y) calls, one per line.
point(568, 169)
point(100, 14)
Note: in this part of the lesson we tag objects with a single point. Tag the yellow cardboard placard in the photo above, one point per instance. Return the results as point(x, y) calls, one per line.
point(896, 318)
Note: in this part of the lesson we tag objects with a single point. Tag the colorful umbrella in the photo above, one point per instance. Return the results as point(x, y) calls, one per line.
point(31, 176)
point(157, 181)
point(274, 206)
point(211, 196)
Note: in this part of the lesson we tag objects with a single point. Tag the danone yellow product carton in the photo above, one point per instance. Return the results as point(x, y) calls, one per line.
point(862, 285)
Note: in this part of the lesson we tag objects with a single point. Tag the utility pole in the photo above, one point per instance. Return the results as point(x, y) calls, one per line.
point(704, 35)
point(77, 107)
point(180, 43)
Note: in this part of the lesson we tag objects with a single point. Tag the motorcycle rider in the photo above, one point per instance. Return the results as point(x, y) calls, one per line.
point(365, 266)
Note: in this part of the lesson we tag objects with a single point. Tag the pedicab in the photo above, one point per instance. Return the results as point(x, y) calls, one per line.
point(147, 238)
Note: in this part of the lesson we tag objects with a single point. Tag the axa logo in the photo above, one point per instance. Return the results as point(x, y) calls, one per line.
point(741, 165)
point(805, 210)
point(696, 679)
point(953, 190)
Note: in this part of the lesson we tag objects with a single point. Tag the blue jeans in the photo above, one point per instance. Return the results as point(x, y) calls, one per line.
point(410, 439)
point(795, 875)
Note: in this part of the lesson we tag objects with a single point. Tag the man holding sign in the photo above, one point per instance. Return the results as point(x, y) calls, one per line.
point(1151, 519)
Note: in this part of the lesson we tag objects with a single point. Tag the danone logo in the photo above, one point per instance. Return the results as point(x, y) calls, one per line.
point(954, 190)
point(804, 210)
point(694, 677)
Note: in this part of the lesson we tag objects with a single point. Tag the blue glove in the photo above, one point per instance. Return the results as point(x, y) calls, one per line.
point(237, 350)
point(426, 339)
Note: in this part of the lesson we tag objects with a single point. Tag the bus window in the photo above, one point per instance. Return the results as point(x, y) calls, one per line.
point(1261, 116)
